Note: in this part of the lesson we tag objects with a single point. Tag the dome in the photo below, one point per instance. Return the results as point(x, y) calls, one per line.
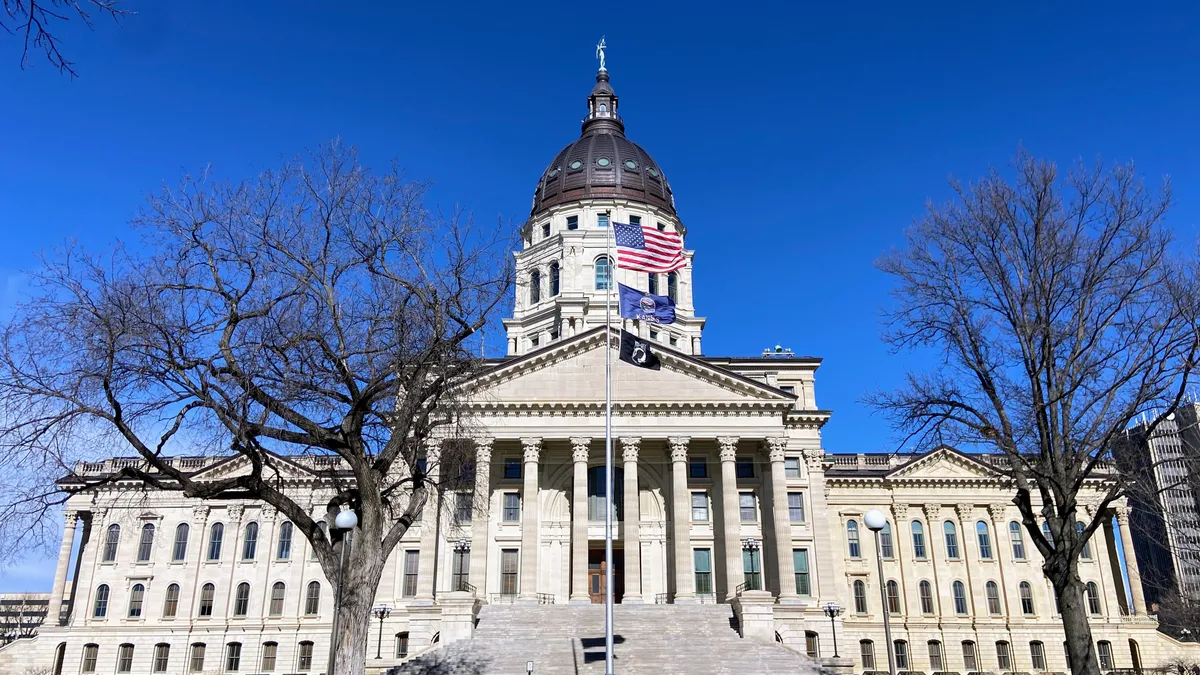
point(602, 162)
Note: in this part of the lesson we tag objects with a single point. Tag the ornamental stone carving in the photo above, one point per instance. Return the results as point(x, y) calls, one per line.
point(629, 448)
point(996, 511)
point(72, 517)
point(775, 448)
point(200, 513)
point(433, 451)
point(728, 448)
point(236, 511)
point(813, 457)
point(532, 448)
point(679, 448)
point(1122, 516)
point(483, 450)
point(581, 449)
point(964, 512)
point(900, 511)
point(932, 512)
point(268, 513)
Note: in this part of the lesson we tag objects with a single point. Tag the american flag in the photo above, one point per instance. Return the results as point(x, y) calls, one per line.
point(646, 249)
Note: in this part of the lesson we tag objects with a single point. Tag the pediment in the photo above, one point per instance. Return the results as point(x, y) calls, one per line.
point(278, 468)
point(573, 373)
point(945, 464)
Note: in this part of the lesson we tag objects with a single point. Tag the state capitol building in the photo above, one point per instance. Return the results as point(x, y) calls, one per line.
point(724, 496)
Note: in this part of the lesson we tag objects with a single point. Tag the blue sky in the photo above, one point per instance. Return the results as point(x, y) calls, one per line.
point(799, 140)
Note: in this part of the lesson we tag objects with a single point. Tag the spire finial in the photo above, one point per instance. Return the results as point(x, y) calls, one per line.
point(600, 52)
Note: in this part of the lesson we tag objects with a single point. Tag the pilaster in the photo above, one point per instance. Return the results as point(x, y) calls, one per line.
point(681, 517)
point(776, 447)
point(631, 521)
point(580, 451)
point(731, 523)
point(482, 513)
point(532, 449)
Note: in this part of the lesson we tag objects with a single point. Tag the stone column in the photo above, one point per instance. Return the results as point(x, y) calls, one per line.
point(430, 516)
point(482, 508)
point(54, 611)
point(681, 522)
point(731, 521)
point(630, 523)
point(529, 519)
point(580, 449)
point(820, 564)
point(1131, 564)
point(783, 521)
point(968, 544)
point(996, 514)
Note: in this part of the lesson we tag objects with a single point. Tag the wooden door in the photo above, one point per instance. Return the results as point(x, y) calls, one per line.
point(596, 584)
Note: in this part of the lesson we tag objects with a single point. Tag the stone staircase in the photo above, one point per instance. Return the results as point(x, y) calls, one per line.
point(569, 640)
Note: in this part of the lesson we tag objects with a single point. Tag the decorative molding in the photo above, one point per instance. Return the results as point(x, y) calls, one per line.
point(996, 511)
point(629, 448)
point(433, 450)
point(200, 513)
point(679, 448)
point(933, 512)
point(581, 448)
point(964, 512)
point(483, 450)
point(900, 512)
point(1122, 517)
point(268, 513)
point(236, 511)
point(532, 449)
point(814, 458)
point(729, 446)
point(776, 446)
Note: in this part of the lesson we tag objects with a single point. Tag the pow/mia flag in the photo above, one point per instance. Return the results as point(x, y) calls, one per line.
point(636, 352)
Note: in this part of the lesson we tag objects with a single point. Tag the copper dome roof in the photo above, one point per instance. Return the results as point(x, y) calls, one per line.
point(602, 162)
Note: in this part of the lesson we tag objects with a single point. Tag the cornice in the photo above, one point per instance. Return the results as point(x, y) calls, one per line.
point(760, 408)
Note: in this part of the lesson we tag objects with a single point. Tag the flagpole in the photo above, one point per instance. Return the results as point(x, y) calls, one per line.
point(608, 457)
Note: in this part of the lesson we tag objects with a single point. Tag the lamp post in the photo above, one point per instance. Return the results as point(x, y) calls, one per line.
point(753, 546)
point(381, 612)
point(876, 521)
point(833, 611)
point(345, 520)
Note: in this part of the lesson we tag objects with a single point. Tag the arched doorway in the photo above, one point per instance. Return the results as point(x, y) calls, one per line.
point(60, 654)
point(1135, 653)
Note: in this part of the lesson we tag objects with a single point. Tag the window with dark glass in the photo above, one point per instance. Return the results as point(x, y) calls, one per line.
point(1018, 540)
point(196, 660)
point(960, 597)
point(993, 597)
point(985, 540)
point(1093, 598)
point(572, 222)
point(1086, 552)
point(791, 467)
point(535, 287)
point(162, 657)
point(508, 571)
point(852, 539)
point(697, 467)
point(702, 558)
point(752, 568)
point(1104, 648)
point(207, 592)
point(885, 541)
point(512, 507)
point(270, 650)
point(305, 657)
point(951, 539)
point(112, 539)
point(812, 644)
point(673, 286)
point(512, 467)
point(866, 652)
point(179, 549)
point(918, 537)
point(91, 652)
point(1037, 653)
point(635, 220)
point(323, 534)
point(171, 602)
point(125, 658)
point(596, 492)
point(925, 591)
point(935, 655)
point(800, 563)
point(146, 543)
point(250, 542)
point(241, 599)
point(1046, 533)
point(603, 273)
point(463, 506)
point(215, 534)
point(312, 599)
point(100, 607)
point(233, 657)
point(1026, 592)
point(652, 282)
point(796, 507)
point(893, 597)
point(545, 230)
point(460, 569)
point(278, 593)
point(554, 279)
point(284, 550)
point(401, 645)
point(970, 656)
point(700, 507)
point(1003, 655)
point(860, 597)
point(744, 467)
point(747, 508)
point(602, 220)
point(136, 596)
point(901, 649)
point(412, 564)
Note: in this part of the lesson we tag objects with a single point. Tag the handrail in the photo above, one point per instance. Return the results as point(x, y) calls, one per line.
point(464, 586)
point(752, 585)
point(502, 598)
point(660, 598)
point(545, 599)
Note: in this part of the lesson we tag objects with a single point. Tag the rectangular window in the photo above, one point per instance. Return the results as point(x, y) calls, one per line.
point(233, 657)
point(866, 651)
point(512, 467)
point(812, 645)
point(162, 657)
point(1038, 654)
point(901, 648)
point(746, 506)
point(545, 230)
point(534, 341)
point(401, 645)
point(800, 562)
point(463, 507)
point(653, 334)
point(752, 569)
point(602, 220)
point(697, 467)
point(125, 659)
point(796, 507)
point(197, 659)
point(791, 467)
point(635, 220)
point(90, 653)
point(662, 227)
point(745, 467)
point(512, 507)
point(460, 572)
point(508, 571)
point(1104, 648)
point(970, 658)
point(572, 222)
point(703, 569)
point(700, 507)
point(269, 652)
point(305, 658)
point(935, 655)
point(788, 389)
point(412, 562)
point(1003, 656)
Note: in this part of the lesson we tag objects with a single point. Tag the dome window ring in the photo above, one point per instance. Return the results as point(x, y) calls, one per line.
point(575, 166)
point(631, 165)
point(603, 162)
point(554, 172)
point(652, 171)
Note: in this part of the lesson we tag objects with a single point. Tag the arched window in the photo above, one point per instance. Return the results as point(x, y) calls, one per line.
point(401, 645)
point(935, 655)
point(960, 598)
point(171, 602)
point(278, 590)
point(918, 537)
point(925, 590)
point(136, 595)
point(535, 287)
point(1017, 539)
point(146, 543)
point(1026, 593)
point(1104, 649)
point(603, 273)
point(1093, 598)
point(285, 541)
point(312, 601)
point(1046, 533)
point(970, 656)
point(673, 286)
point(1085, 553)
point(900, 648)
point(866, 651)
point(1135, 655)
point(951, 539)
point(241, 599)
point(100, 609)
point(179, 550)
point(860, 597)
point(985, 540)
point(207, 593)
point(250, 542)
point(885, 541)
point(554, 279)
point(112, 538)
point(893, 597)
point(852, 539)
point(1037, 653)
point(215, 534)
point(993, 598)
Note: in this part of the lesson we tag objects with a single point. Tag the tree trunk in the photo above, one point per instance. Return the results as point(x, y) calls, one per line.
point(1073, 607)
point(364, 567)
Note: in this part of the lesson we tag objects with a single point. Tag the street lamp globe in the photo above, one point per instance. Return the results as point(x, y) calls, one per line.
point(832, 609)
point(875, 520)
point(346, 520)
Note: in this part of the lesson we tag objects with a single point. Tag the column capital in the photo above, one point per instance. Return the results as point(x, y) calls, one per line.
point(932, 512)
point(900, 512)
point(1122, 515)
point(629, 448)
point(483, 449)
point(268, 513)
point(433, 450)
point(679, 448)
point(728, 447)
point(532, 448)
point(996, 511)
point(814, 457)
point(581, 449)
point(71, 517)
point(236, 511)
point(200, 513)
point(776, 446)
point(964, 512)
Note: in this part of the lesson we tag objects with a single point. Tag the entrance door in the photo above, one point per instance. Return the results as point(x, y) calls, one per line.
point(596, 587)
point(596, 577)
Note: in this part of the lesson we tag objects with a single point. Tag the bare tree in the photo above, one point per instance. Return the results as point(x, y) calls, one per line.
point(33, 20)
point(1060, 316)
point(317, 310)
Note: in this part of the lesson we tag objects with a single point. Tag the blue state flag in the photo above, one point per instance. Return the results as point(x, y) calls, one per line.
point(638, 305)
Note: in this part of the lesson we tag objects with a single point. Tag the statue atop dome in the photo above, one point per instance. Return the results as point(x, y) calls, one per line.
point(600, 52)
